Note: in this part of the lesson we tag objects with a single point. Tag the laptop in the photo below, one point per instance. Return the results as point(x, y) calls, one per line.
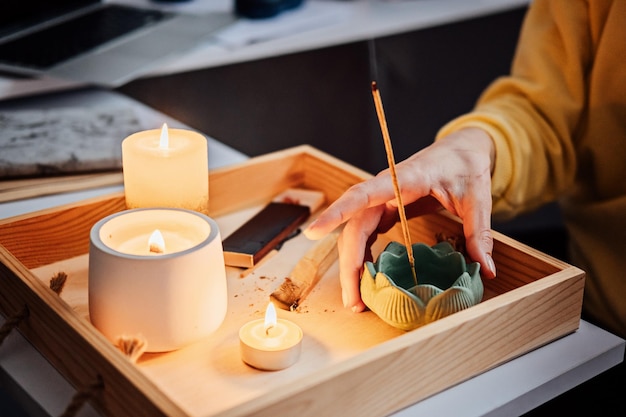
point(94, 41)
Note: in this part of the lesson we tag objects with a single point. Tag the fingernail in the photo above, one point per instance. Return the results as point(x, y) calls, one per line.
point(354, 309)
point(491, 265)
point(311, 226)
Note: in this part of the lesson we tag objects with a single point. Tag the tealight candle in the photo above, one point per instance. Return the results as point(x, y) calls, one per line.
point(166, 168)
point(270, 344)
point(158, 273)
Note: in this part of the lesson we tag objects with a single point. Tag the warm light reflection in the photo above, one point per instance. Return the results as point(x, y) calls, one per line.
point(270, 317)
point(164, 142)
point(156, 242)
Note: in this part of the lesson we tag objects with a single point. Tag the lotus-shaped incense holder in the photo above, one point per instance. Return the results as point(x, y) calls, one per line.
point(446, 284)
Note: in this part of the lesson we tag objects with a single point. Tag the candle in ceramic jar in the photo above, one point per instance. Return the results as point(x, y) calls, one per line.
point(270, 344)
point(157, 272)
point(166, 168)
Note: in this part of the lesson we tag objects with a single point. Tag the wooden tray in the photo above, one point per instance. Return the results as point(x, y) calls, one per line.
point(350, 363)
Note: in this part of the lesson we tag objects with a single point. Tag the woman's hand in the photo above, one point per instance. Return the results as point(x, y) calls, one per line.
point(454, 172)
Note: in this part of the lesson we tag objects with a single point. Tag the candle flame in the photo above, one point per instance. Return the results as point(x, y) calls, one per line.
point(156, 242)
point(164, 143)
point(270, 317)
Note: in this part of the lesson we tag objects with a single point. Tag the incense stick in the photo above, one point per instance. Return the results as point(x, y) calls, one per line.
point(378, 102)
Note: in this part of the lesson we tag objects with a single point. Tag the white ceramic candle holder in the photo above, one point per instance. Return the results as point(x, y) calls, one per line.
point(172, 298)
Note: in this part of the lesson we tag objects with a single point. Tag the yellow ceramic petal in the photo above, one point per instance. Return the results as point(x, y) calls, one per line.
point(448, 302)
point(395, 306)
point(425, 292)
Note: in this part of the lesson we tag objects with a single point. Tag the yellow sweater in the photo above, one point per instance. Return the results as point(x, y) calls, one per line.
point(559, 126)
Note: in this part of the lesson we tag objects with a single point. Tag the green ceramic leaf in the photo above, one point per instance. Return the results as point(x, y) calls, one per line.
point(445, 284)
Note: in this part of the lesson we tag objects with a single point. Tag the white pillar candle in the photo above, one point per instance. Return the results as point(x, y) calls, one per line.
point(270, 344)
point(171, 295)
point(166, 168)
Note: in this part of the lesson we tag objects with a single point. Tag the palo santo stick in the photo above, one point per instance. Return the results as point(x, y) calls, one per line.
point(306, 274)
point(380, 112)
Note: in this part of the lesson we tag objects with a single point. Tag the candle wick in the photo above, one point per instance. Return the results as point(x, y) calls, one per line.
point(155, 248)
point(267, 330)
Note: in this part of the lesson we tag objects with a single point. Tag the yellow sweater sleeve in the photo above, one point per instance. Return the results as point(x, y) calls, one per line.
point(532, 113)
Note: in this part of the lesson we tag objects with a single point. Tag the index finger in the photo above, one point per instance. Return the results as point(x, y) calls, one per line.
point(358, 197)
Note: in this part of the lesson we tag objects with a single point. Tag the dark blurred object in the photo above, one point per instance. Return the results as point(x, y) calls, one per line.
point(261, 9)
